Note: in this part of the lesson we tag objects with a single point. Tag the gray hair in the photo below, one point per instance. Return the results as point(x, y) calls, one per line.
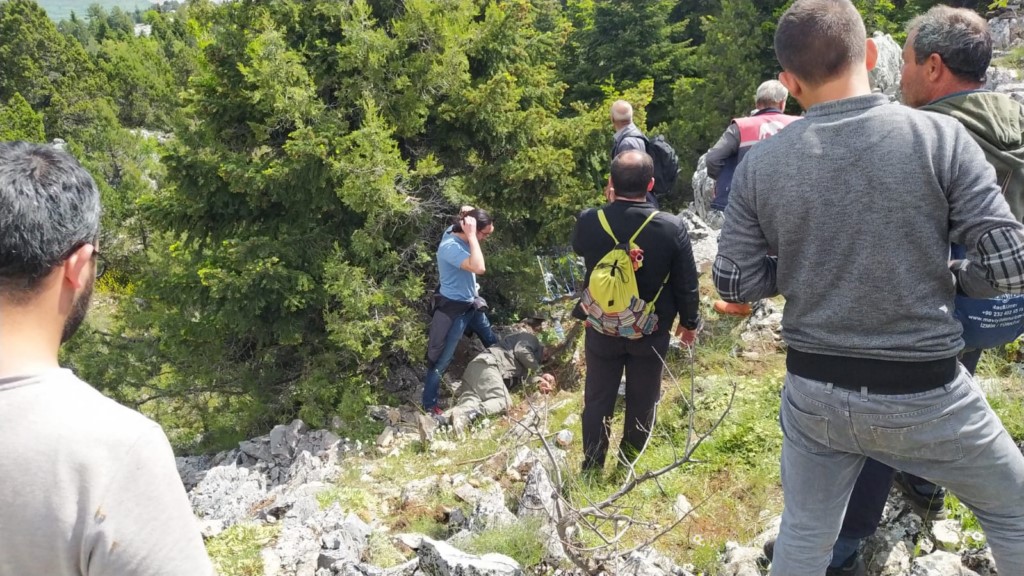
point(770, 93)
point(49, 205)
point(959, 36)
point(622, 111)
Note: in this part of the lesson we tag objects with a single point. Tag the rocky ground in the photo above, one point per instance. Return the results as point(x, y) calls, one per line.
point(281, 480)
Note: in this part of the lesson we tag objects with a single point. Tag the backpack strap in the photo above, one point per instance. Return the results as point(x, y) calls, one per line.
point(663, 283)
point(607, 227)
point(640, 229)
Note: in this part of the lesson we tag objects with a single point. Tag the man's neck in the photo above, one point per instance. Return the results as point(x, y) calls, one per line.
point(954, 87)
point(625, 199)
point(846, 86)
point(620, 125)
point(25, 347)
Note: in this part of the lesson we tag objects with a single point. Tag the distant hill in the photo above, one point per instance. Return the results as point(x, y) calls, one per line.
point(61, 9)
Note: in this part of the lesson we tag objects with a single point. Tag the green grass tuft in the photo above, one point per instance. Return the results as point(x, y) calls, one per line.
point(236, 551)
point(523, 542)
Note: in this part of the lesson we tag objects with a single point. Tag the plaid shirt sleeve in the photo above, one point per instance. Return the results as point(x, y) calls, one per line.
point(998, 267)
point(732, 287)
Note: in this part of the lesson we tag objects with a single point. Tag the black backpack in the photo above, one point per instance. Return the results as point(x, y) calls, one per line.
point(666, 162)
point(666, 165)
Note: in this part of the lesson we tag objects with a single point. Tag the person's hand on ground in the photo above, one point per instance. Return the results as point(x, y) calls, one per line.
point(547, 383)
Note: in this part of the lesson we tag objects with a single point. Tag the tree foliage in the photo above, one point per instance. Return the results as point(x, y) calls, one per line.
point(273, 255)
point(19, 122)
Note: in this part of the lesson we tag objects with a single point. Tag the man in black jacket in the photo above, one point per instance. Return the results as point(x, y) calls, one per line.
point(666, 254)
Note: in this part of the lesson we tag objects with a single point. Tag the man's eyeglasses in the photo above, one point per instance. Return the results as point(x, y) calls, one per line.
point(101, 260)
point(101, 264)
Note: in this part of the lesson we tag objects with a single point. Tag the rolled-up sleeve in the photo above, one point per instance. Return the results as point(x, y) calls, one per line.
point(981, 221)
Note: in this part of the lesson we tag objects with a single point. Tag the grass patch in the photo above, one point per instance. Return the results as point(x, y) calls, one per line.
point(351, 498)
point(381, 552)
point(523, 542)
point(1013, 59)
point(236, 551)
point(429, 522)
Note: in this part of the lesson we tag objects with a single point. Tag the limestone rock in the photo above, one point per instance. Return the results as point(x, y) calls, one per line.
point(980, 561)
point(192, 469)
point(420, 490)
point(490, 511)
point(682, 507)
point(441, 559)
point(696, 227)
point(741, 561)
point(406, 569)
point(284, 438)
point(948, 534)
point(537, 500)
point(386, 438)
point(939, 564)
point(645, 562)
point(703, 187)
point(703, 238)
point(564, 438)
point(1007, 32)
point(228, 493)
point(467, 493)
point(885, 77)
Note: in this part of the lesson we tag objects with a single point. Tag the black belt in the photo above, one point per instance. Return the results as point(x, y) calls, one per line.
point(879, 376)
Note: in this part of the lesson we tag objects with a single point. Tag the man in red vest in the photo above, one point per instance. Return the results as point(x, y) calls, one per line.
point(742, 133)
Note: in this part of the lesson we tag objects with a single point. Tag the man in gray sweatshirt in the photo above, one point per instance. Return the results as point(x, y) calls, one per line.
point(860, 201)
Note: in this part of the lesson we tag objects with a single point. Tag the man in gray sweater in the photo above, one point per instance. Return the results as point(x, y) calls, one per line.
point(860, 202)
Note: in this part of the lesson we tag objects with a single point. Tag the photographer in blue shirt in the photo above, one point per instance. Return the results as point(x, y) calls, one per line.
point(458, 307)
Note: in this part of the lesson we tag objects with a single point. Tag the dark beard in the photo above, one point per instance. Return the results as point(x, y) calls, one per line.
point(78, 309)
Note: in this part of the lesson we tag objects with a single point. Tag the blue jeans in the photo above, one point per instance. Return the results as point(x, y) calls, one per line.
point(948, 435)
point(474, 321)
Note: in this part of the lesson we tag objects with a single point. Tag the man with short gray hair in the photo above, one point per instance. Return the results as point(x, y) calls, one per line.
point(627, 137)
point(723, 158)
point(89, 487)
point(765, 121)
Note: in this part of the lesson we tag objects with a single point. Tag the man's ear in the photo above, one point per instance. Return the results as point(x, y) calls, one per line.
point(77, 268)
point(650, 185)
point(935, 67)
point(870, 54)
point(792, 83)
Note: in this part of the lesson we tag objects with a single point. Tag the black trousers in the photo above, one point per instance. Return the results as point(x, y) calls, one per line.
point(607, 357)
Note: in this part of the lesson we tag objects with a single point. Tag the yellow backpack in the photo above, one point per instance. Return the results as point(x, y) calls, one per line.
point(612, 301)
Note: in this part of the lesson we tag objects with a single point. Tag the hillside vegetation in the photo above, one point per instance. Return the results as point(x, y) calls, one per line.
point(276, 174)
